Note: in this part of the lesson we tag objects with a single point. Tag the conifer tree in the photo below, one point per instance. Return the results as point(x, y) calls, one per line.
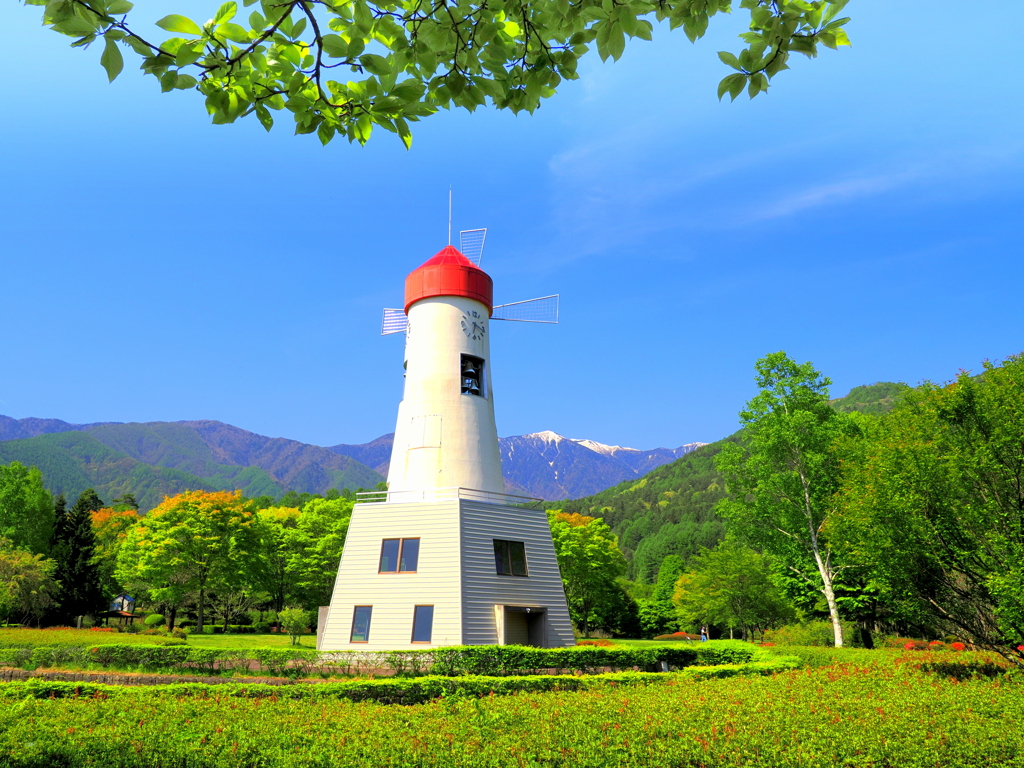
point(74, 545)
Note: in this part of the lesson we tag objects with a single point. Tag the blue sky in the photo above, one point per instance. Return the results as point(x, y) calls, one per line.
point(863, 215)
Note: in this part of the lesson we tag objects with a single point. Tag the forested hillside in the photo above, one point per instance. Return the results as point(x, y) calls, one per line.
point(151, 460)
point(71, 462)
point(670, 511)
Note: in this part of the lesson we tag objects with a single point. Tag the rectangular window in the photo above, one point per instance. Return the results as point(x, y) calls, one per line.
point(472, 376)
point(399, 555)
point(361, 624)
point(422, 623)
point(410, 556)
point(510, 558)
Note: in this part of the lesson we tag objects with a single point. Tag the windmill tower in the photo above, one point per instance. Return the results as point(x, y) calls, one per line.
point(445, 556)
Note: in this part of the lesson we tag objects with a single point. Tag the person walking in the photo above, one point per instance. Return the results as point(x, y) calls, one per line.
point(703, 634)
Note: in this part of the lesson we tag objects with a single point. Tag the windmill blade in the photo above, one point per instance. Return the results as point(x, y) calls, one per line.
point(471, 243)
point(395, 321)
point(542, 310)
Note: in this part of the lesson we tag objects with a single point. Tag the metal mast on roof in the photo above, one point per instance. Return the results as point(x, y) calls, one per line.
point(449, 215)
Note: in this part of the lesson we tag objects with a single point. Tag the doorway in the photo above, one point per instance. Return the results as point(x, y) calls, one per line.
point(523, 625)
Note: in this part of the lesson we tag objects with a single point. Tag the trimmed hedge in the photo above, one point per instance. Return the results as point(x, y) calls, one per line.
point(395, 690)
point(491, 660)
point(883, 716)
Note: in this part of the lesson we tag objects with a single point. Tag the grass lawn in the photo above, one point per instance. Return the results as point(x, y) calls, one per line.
point(249, 641)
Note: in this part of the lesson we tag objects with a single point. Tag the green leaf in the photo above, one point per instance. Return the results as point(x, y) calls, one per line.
point(374, 64)
point(139, 47)
point(235, 32)
point(225, 13)
point(325, 133)
point(730, 59)
point(363, 128)
point(616, 41)
point(733, 85)
point(264, 116)
point(185, 81)
point(334, 46)
point(119, 7)
point(403, 131)
point(111, 59)
point(176, 23)
point(841, 38)
point(834, 8)
point(188, 54)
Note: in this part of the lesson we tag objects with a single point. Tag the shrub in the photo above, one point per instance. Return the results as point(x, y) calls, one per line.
point(262, 628)
point(154, 620)
point(295, 622)
point(600, 642)
point(813, 633)
point(958, 646)
point(677, 636)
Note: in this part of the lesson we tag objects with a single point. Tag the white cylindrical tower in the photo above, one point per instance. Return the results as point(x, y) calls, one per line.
point(445, 436)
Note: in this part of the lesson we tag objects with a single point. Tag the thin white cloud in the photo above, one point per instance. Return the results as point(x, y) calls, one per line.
point(836, 192)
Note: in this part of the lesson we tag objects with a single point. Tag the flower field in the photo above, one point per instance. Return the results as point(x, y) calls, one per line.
point(888, 714)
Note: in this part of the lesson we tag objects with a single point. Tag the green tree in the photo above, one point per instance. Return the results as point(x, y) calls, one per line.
point(110, 527)
point(590, 561)
point(73, 551)
point(295, 622)
point(195, 542)
point(732, 586)
point(933, 505)
point(407, 60)
point(658, 615)
point(783, 478)
point(280, 546)
point(27, 586)
point(321, 528)
point(26, 508)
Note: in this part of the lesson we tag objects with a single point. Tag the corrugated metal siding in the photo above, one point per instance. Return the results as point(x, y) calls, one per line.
point(394, 595)
point(483, 588)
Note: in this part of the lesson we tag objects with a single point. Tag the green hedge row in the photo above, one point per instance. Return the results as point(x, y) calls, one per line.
point(394, 690)
point(881, 716)
point(448, 661)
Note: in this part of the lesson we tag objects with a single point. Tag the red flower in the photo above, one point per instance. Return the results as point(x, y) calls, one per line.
point(1020, 648)
point(910, 646)
point(958, 646)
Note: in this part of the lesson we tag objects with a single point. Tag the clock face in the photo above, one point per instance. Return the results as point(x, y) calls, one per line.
point(473, 324)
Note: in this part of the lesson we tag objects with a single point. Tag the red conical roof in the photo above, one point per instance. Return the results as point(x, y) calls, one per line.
point(449, 273)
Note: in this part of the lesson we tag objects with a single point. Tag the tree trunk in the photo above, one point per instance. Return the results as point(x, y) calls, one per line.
point(78, 622)
point(202, 603)
point(173, 616)
point(830, 598)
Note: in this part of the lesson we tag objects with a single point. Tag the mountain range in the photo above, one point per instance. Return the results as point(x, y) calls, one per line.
point(546, 465)
point(154, 459)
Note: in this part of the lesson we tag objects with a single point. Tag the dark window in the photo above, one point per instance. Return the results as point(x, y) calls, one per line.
point(472, 375)
point(410, 555)
point(510, 558)
point(389, 555)
point(422, 623)
point(399, 555)
point(361, 624)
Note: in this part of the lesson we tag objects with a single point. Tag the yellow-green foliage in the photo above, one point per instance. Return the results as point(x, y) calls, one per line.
point(881, 716)
point(63, 636)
